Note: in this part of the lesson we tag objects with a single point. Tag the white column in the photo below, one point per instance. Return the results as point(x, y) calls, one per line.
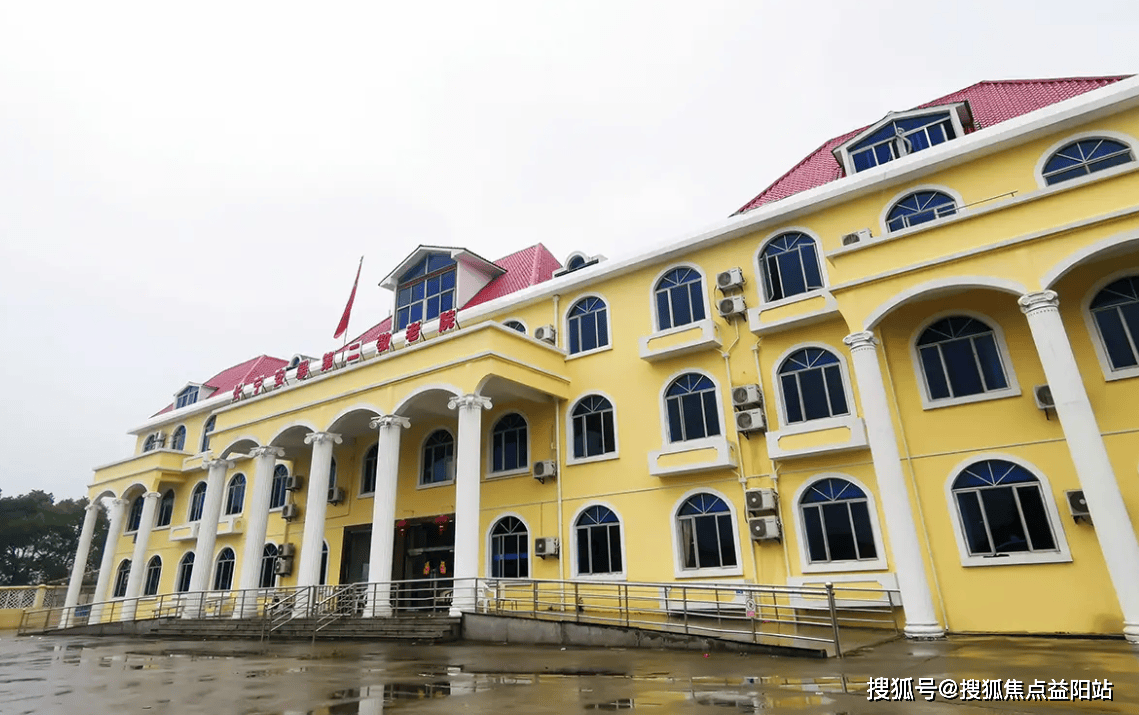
point(468, 473)
point(383, 513)
point(138, 558)
point(115, 512)
point(917, 601)
point(207, 535)
point(1113, 526)
point(79, 568)
point(256, 523)
point(316, 505)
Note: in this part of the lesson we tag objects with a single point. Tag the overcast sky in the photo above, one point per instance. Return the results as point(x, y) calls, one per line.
point(183, 187)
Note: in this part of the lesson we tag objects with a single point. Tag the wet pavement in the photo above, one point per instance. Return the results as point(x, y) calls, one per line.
point(109, 676)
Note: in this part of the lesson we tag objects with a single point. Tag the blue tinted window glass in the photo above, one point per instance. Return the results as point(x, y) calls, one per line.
point(791, 399)
point(663, 315)
point(816, 543)
point(990, 360)
point(404, 296)
point(433, 285)
point(432, 307)
point(814, 394)
point(975, 534)
point(447, 301)
point(964, 377)
point(417, 291)
point(863, 532)
point(835, 388)
point(401, 319)
point(415, 313)
point(934, 374)
point(840, 532)
point(1034, 515)
point(447, 280)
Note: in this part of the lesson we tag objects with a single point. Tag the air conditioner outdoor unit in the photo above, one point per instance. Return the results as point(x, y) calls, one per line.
point(1043, 395)
point(547, 333)
point(546, 546)
point(856, 237)
point(283, 566)
point(290, 511)
point(751, 421)
point(546, 469)
point(731, 306)
point(730, 279)
point(288, 550)
point(295, 483)
point(1078, 505)
point(747, 396)
point(760, 501)
point(764, 528)
point(335, 495)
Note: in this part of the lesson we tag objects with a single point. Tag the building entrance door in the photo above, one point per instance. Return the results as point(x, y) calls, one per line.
point(357, 545)
point(425, 558)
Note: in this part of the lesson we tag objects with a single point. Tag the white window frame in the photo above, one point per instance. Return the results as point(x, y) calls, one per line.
point(810, 425)
point(878, 564)
point(608, 325)
point(927, 403)
point(662, 403)
point(364, 463)
point(525, 328)
point(115, 595)
point(960, 209)
point(487, 570)
point(178, 572)
point(288, 473)
point(140, 499)
point(185, 440)
point(190, 504)
point(454, 459)
point(261, 565)
point(1038, 171)
point(1109, 374)
point(955, 110)
point(613, 576)
point(703, 294)
point(678, 548)
point(146, 576)
point(214, 569)
point(158, 509)
point(524, 469)
point(757, 264)
point(228, 488)
point(570, 460)
point(1061, 555)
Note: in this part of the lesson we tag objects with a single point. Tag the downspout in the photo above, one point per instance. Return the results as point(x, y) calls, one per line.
point(562, 543)
point(774, 466)
point(741, 471)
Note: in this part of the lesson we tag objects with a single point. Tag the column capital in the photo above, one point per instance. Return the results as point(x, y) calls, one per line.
point(385, 421)
point(864, 340)
point(469, 402)
point(219, 463)
point(322, 437)
point(1039, 301)
point(152, 495)
point(93, 506)
point(275, 452)
point(117, 504)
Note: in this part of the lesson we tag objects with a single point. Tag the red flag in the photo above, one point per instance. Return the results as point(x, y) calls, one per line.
point(343, 327)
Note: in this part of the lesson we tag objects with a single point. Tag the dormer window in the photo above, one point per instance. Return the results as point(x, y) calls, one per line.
point(188, 396)
point(902, 134)
point(426, 290)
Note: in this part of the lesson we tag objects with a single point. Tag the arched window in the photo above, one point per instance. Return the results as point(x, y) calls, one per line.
point(790, 266)
point(515, 325)
point(1084, 157)
point(134, 518)
point(959, 357)
point(692, 411)
point(368, 478)
point(223, 571)
point(280, 482)
point(679, 298)
point(598, 534)
point(438, 458)
point(150, 443)
point(1002, 510)
point(812, 384)
point(509, 446)
point(707, 535)
point(121, 578)
point(918, 208)
point(235, 495)
point(268, 566)
point(588, 325)
point(153, 576)
point(206, 430)
point(575, 262)
point(836, 517)
point(1116, 313)
point(197, 501)
point(594, 432)
point(165, 509)
point(185, 571)
point(509, 543)
point(178, 441)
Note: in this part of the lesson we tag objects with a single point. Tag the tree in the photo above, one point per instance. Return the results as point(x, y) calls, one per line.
point(38, 538)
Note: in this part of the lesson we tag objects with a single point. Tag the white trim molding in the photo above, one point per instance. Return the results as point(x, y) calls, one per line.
point(1110, 374)
point(1127, 139)
point(939, 287)
point(759, 326)
point(678, 548)
point(707, 339)
point(929, 403)
point(837, 567)
point(1062, 554)
point(612, 576)
point(854, 425)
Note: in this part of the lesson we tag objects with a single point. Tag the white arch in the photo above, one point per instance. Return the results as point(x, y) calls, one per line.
point(878, 564)
point(490, 529)
point(704, 293)
point(402, 405)
point(570, 407)
point(777, 382)
point(662, 403)
point(358, 407)
point(235, 442)
point(1103, 247)
point(1061, 555)
point(615, 576)
point(291, 426)
point(1126, 139)
point(951, 193)
point(677, 546)
point(927, 401)
point(941, 286)
point(757, 263)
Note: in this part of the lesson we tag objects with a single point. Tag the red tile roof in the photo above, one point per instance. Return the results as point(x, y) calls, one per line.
point(991, 102)
point(526, 268)
point(242, 373)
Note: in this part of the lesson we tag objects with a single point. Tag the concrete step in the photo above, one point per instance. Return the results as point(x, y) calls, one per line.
point(398, 628)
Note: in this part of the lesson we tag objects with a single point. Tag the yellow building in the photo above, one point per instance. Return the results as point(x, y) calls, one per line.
point(908, 362)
